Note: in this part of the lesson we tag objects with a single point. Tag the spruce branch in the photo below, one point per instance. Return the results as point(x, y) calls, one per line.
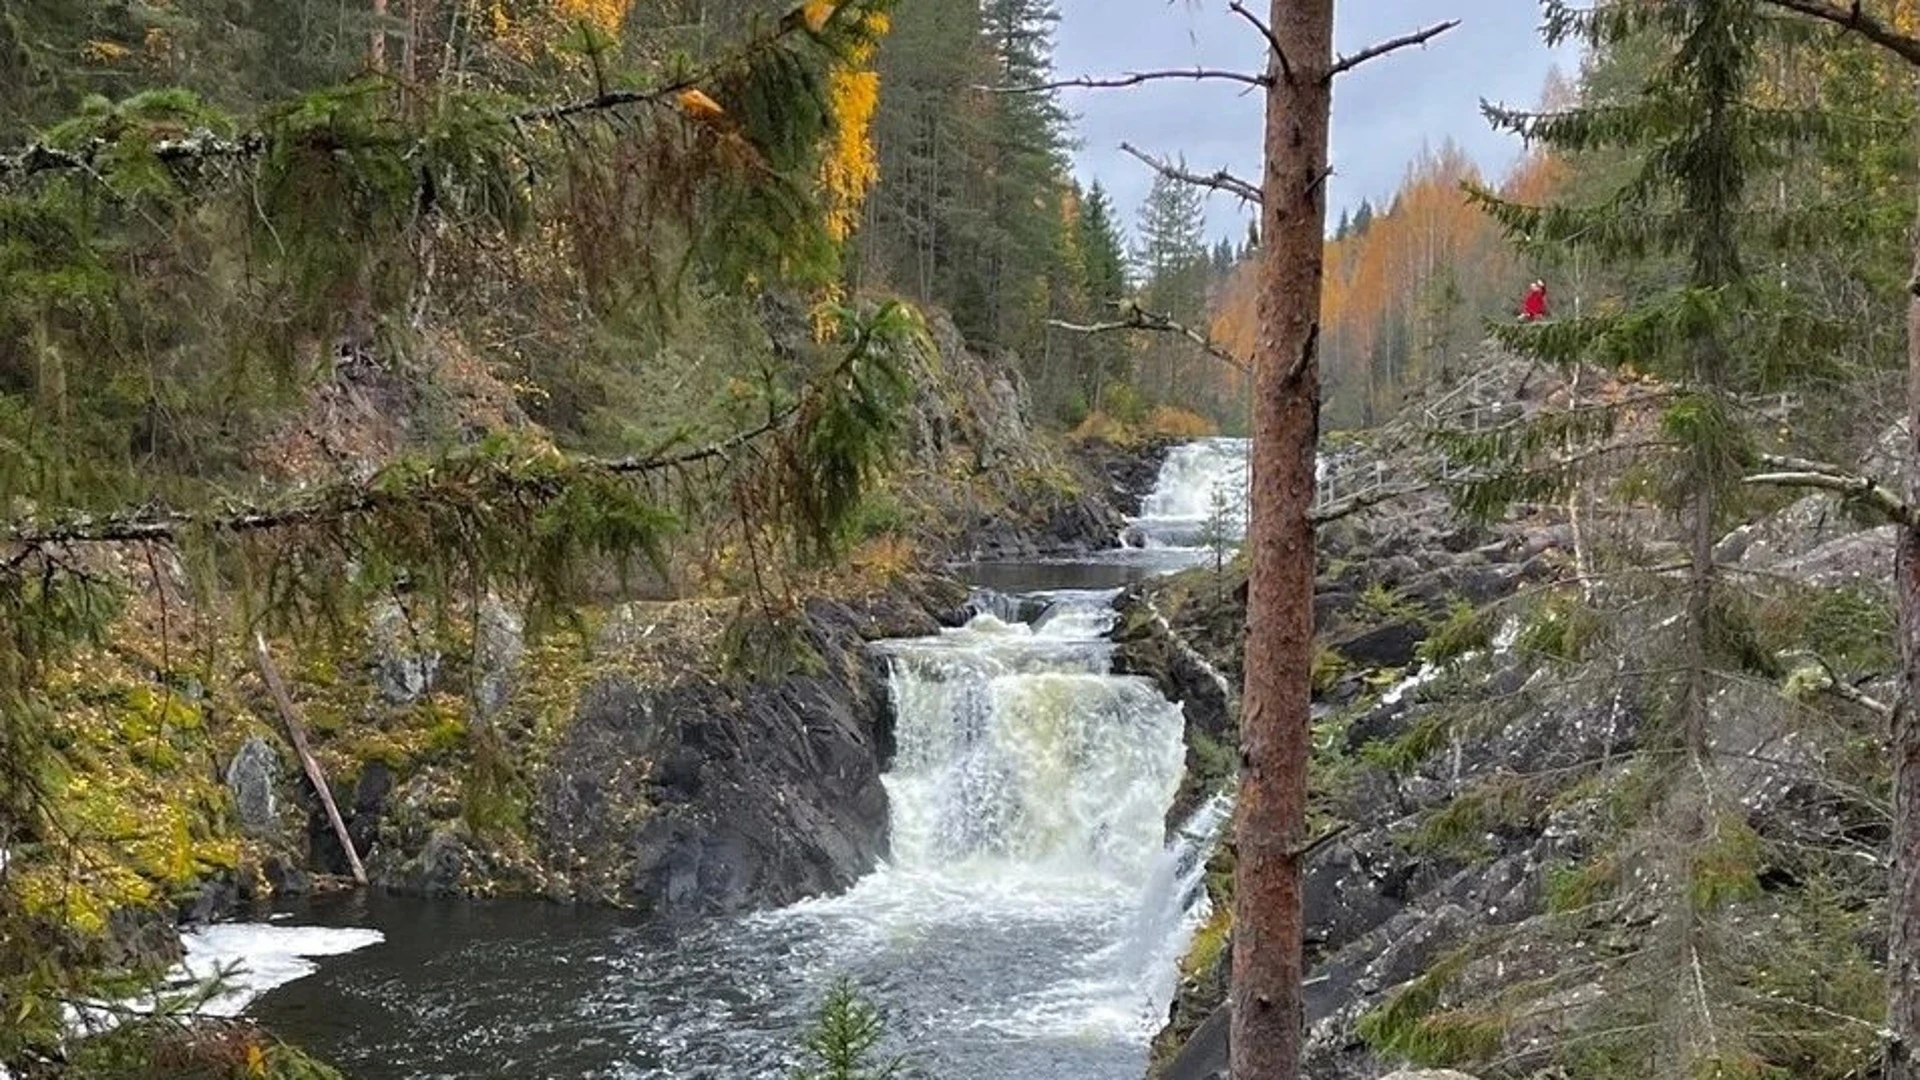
point(1852, 18)
point(1134, 318)
point(204, 145)
point(1221, 180)
point(1373, 52)
point(341, 501)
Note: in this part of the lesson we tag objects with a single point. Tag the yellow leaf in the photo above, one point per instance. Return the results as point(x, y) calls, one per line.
point(698, 105)
point(105, 52)
point(256, 1061)
point(817, 12)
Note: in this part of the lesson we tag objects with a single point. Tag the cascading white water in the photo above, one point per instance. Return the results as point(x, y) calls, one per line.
point(1174, 902)
point(1198, 482)
point(1016, 745)
point(1028, 802)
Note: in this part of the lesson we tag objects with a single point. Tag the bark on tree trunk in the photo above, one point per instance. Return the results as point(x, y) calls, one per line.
point(1269, 835)
point(1903, 894)
point(377, 45)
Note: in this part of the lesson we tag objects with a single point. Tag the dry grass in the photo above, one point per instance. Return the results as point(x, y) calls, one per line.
point(1173, 422)
point(1164, 422)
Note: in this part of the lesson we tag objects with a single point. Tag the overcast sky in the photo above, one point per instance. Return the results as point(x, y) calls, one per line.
point(1382, 112)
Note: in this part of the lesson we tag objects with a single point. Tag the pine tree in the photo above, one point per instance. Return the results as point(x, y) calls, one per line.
point(1270, 821)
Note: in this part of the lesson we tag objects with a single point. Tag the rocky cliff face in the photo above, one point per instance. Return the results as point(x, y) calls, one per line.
point(758, 793)
point(1483, 765)
point(639, 764)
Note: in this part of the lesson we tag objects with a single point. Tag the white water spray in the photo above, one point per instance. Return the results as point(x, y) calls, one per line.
point(1196, 480)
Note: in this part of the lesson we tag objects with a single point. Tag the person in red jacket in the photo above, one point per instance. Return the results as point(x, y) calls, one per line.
point(1533, 307)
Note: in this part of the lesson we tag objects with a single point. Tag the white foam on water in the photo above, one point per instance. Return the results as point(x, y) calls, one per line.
point(249, 959)
point(262, 956)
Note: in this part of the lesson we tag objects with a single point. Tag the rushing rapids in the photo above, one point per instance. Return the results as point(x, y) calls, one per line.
point(1025, 925)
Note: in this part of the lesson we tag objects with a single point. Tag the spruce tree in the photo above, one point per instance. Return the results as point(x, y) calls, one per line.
point(1363, 218)
point(1171, 259)
point(1027, 163)
point(1693, 140)
point(1104, 259)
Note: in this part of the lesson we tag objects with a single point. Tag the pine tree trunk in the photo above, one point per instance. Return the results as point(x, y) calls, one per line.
point(1268, 1015)
point(1903, 893)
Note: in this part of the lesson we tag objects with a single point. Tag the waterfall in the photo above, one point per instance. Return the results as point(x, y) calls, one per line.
point(1017, 746)
point(1025, 924)
point(1008, 608)
point(1028, 801)
point(1196, 480)
point(1175, 903)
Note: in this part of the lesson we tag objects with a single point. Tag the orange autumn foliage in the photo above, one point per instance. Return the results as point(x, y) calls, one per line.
point(1411, 287)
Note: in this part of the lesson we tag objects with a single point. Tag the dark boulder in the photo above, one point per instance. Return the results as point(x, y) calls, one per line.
point(1390, 646)
point(1130, 472)
point(709, 795)
point(444, 867)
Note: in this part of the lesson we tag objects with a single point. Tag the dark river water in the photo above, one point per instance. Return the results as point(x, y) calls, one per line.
point(1024, 927)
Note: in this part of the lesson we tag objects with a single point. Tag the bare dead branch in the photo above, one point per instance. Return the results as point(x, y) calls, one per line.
point(1846, 691)
point(1366, 500)
point(1850, 17)
point(1800, 473)
point(1135, 78)
point(1373, 52)
point(1273, 40)
point(1222, 180)
point(1135, 319)
point(1310, 848)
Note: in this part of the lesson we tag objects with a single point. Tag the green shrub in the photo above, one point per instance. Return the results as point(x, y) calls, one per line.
point(1465, 629)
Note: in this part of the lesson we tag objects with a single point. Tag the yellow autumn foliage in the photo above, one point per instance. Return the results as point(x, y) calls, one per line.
point(526, 34)
point(104, 52)
point(603, 15)
point(852, 164)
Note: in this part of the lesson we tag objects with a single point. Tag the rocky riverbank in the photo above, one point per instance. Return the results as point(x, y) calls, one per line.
point(1379, 618)
point(1473, 748)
